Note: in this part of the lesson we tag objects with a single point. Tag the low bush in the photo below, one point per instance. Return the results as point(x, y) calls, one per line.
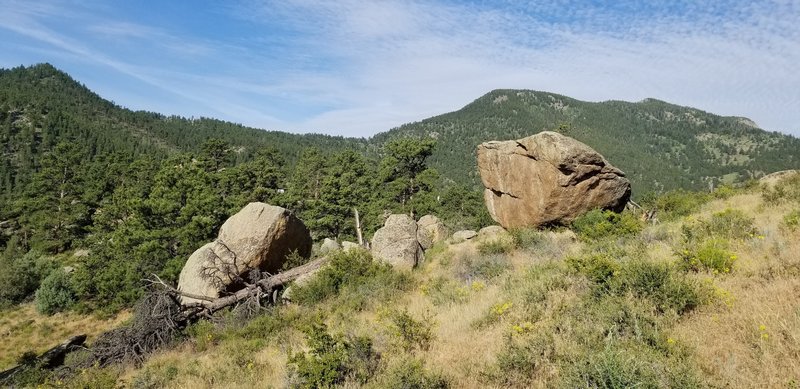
point(332, 360)
point(792, 220)
point(495, 246)
point(524, 238)
point(678, 203)
point(355, 277)
point(661, 283)
point(21, 276)
point(785, 190)
point(712, 254)
point(729, 224)
point(408, 333)
point(56, 293)
point(444, 291)
point(410, 373)
point(482, 267)
point(598, 224)
point(599, 268)
point(522, 360)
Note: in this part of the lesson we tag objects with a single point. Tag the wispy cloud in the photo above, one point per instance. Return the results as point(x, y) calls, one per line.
point(355, 68)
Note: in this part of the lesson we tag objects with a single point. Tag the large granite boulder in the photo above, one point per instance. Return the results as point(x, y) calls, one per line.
point(547, 178)
point(260, 236)
point(430, 230)
point(396, 242)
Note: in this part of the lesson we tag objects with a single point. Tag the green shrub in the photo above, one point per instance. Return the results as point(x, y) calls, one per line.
point(495, 246)
point(408, 333)
point(154, 377)
point(521, 360)
point(598, 224)
point(659, 282)
point(55, 294)
point(204, 334)
point(410, 373)
point(444, 291)
point(484, 267)
point(729, 224)
point(599, 268)
point(20, 277)
point(526, 237)
point(355, 277)
point(332, 360)
point(787, 189)
point(792, 220)
point(712, 254)
point(678, 203)
point(612, 368)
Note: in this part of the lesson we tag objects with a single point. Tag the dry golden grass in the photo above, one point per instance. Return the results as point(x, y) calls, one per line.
point(753, 340)
point(750, 337)
point(23, 329)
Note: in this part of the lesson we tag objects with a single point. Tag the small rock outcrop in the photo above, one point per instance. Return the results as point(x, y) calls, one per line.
point(396, 242)
point(547, 178)
point(463, 235)
point(493, 233)
point(347, 246)
point(329, 246)
point(260, 236)
point(430, 230)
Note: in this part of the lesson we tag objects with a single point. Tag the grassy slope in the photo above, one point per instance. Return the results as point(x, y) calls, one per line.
point(746, 334)
point(725, 337)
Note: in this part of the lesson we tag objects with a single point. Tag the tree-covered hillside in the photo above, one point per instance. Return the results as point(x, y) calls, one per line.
point(660, 146)
point(41, 106)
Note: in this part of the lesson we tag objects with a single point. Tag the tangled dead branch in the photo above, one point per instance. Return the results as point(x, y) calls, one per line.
point(160, 316)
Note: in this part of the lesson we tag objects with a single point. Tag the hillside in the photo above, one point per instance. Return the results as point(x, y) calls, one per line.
point(705, 298)
point(660, 146)
point(41, 106)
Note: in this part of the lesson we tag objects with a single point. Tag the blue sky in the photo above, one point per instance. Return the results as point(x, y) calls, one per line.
point(356, 68)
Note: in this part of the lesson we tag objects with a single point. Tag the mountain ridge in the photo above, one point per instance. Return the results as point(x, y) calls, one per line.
point(695, 147)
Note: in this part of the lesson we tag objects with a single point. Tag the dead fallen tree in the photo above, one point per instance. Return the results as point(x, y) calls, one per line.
point(160, 317)
point(158, 320)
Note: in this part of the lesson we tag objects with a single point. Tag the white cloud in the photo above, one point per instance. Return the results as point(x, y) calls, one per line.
point(355, 68)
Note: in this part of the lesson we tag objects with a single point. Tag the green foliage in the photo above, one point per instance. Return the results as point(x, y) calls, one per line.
point(786, 189)
point(711, 254)
point(154, 377)
point(55, 294)
point(409, 333)
point(355, 277)
point(792, 219)
point(495, 246)
point(444, 291)
point(20, 277)
point(679, 203)
point(204, 334)
point(521, 360)
point(668, 289)
point(481, 267)
point(599, 224)
point(410, 373)
point(599, 268)
point(614, 367)
point(333, 360)
point(526, 237)
point(728, 224)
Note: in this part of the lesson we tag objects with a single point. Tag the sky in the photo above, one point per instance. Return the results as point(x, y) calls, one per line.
point(356, 68)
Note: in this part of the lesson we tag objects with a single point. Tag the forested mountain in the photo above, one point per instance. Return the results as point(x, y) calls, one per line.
point(117, 194)
point(41, 106)
point(660, 146)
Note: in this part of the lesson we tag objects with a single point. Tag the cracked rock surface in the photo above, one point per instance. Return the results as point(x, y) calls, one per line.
point(547, 178)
